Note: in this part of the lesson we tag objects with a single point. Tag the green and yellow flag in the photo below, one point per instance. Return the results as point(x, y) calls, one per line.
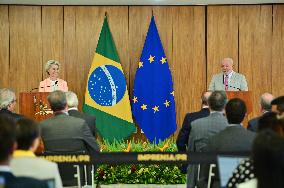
point(106, 94)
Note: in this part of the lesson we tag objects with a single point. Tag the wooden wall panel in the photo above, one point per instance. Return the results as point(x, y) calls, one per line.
point(255, 42)
point(71, 50)
point(52, 37)
point(189, 66)
point(222, 37)
point(4, 46)
point(137, 36)
point(25, 47)
point(278, 50)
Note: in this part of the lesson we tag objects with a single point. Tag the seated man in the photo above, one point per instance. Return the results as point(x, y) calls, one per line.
point(25, 163)
point(8, 103)
point(7, 146)
point(182, 139)
point(204, 128)
point(72, 102)
point(234, 138)
point(265, 106)
point(66, 133)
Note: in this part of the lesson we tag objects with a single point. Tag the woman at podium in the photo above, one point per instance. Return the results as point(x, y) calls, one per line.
point(52, 83)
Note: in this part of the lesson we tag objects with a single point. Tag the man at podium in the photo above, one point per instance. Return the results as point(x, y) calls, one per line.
point(52, 83)
point(228, 80)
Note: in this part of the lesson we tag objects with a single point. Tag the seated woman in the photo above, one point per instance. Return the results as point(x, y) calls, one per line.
point(52, 83)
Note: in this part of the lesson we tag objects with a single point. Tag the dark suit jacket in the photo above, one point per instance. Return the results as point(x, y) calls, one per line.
point(182, 139)
point(14, 116)
point(253, 124)
point(63, 133)
point(18, 182)
point(232, 139)
point(90, 120)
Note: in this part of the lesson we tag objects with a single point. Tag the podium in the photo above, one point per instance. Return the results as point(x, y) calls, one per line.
point(246, 96)
point(35, 105)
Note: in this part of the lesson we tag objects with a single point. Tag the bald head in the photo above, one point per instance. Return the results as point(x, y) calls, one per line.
point(204, 98)
point(227, 65)
point(265, 101)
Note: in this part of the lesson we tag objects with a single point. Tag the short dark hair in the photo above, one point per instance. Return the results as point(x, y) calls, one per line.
point(27, 131)
point(235, 111)
point(57, 100)
point(269, 120)
point(279, 101)
point(268, 160)
point(217, 100)
point(7, 137)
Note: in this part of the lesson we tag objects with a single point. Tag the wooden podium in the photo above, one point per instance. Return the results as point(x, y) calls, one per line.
point(246, 97)
point(34, 105)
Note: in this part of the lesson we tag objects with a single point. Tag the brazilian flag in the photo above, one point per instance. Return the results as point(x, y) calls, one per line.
point(106, 94)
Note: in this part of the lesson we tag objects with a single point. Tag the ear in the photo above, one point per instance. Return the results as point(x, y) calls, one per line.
point(35, 144)
point(13, 148)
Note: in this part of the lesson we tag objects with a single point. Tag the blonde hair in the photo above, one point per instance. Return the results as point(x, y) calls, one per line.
point(49, 63)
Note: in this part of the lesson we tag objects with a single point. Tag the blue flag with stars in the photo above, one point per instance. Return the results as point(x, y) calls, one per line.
point(153, 99)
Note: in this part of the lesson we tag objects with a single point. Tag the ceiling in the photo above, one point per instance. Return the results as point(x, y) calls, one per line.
point(137, 2)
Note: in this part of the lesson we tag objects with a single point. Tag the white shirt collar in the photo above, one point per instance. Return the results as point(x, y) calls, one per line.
point(229, 75)
point(5, 168)
point(231, 125)
point(73, 108)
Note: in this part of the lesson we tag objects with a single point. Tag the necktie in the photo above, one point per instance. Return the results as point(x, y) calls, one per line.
point(226, 82)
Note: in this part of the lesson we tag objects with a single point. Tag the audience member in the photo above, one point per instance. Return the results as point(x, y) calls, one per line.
point(265, 106)
point(204, 128)
point(52, 83)
point(72, 102)
point(245, 171)
point(182, 139)
point(8, 103)
point(63, 132)
point(228, 80)
point(25, 163)
point(279, 102)
point(234, 138)
point(7, 146)
point(268, 161)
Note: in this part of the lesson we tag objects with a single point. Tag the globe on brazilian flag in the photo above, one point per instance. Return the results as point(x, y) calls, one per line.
point(106, 94)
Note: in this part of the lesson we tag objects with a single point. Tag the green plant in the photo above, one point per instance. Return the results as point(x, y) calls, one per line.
point(139, 173)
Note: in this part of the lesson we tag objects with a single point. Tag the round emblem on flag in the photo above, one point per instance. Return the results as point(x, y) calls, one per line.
point(107, 85)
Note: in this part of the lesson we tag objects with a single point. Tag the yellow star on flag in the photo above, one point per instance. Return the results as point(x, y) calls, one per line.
point(173, 93)
point(144, 107)
point(151, 58)
point(135, 99)
point(167, 103)
point(140, 64)
point(156, 109)
point(163, 60)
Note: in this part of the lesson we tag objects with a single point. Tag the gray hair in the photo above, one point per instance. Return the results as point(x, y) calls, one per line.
point(72, 99)
point(265, 101)
point(205, 96)
point(49, 63)
point(217, 100)
point(229, 59)
point(7, 96)
point(57, 100)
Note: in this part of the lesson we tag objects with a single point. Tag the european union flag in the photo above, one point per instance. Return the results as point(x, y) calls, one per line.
point(153, 100)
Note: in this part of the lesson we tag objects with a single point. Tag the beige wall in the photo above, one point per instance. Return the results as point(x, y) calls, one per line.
point(195, 39)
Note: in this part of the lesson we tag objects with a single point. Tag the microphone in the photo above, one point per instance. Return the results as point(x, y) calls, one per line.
point(33, 89)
